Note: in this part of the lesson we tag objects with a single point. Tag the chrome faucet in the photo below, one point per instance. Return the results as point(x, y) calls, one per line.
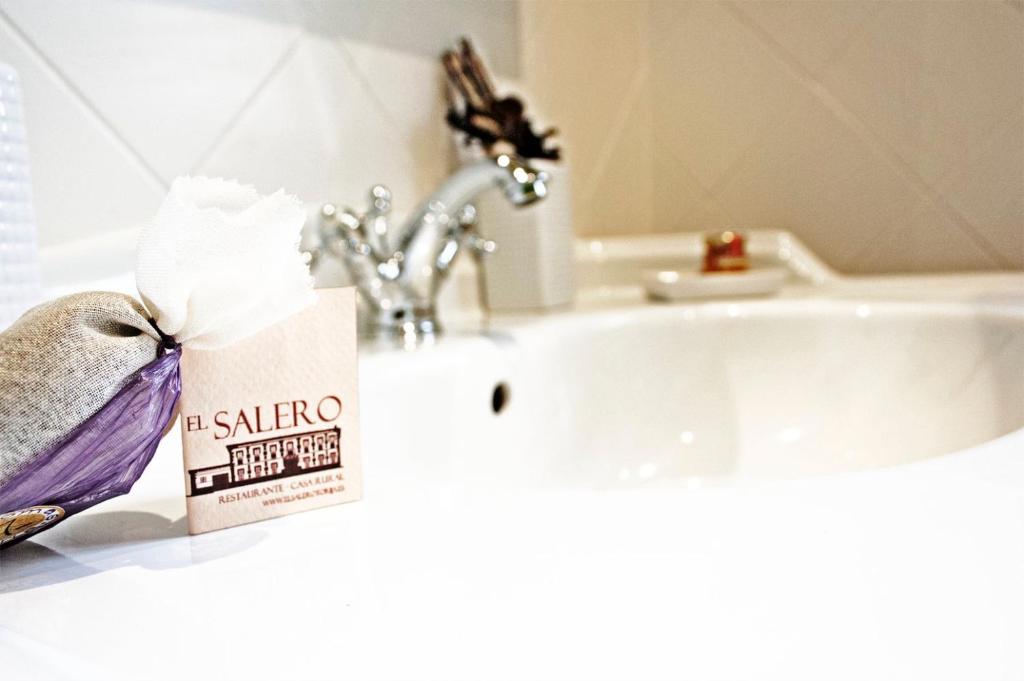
point(399, 273)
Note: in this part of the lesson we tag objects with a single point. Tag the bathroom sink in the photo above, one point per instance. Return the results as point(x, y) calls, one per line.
point(825, 484)
point(703, 394)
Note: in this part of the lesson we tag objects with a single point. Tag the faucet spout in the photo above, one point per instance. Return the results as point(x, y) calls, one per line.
point(521, 185)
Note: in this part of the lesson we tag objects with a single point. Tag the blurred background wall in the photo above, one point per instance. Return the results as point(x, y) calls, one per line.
point(888, 135)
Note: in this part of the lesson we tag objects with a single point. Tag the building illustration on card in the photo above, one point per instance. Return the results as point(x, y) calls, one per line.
point(278, 457)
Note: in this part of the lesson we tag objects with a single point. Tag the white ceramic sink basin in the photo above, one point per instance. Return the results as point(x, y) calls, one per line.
point(692, 395)
point(776, 390)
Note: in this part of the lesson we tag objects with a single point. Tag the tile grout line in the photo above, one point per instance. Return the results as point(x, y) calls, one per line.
point(49, 66)
point(882, 150)
point(271, 73)
point(367, 86)
point(338, 45)
point(706, 195)
point(838, 53)
point(629, 102)
point(750, 24)
point(709, 192)
point(776, 119)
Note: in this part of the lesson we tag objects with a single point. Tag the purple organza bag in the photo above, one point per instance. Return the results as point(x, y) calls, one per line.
point(89, 382)
point(102, 458)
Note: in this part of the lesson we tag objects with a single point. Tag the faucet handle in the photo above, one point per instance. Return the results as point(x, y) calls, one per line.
point(380, 200)
point(344, 218)
point(480, 246)
point(467, 220)
point(340, 229)
point(375, 222)
point(467, 217)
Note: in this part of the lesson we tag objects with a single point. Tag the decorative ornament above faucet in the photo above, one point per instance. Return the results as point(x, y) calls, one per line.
point(497, 123)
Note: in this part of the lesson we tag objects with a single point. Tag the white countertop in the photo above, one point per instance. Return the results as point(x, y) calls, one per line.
point(911, 572)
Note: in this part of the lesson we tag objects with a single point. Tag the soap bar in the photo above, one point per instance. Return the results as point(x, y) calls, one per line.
point(270, 424)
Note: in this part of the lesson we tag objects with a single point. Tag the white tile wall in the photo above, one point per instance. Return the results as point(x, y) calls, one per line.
point(85, 179)
point(169, 79)
point(124, 95)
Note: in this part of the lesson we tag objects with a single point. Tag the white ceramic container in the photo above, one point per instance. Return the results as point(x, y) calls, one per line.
point(669, 285)
point(19, 260)
point(533, 267)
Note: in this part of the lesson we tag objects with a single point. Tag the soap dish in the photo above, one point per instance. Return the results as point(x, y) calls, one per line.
point(687, 285)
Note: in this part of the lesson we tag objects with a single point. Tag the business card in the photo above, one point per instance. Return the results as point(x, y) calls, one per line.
point(270, 425)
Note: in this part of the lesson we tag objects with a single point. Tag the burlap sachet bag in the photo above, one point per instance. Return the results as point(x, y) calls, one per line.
point(89, 382)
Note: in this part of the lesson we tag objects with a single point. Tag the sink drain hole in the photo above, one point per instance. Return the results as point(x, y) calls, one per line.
point(500, 397)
